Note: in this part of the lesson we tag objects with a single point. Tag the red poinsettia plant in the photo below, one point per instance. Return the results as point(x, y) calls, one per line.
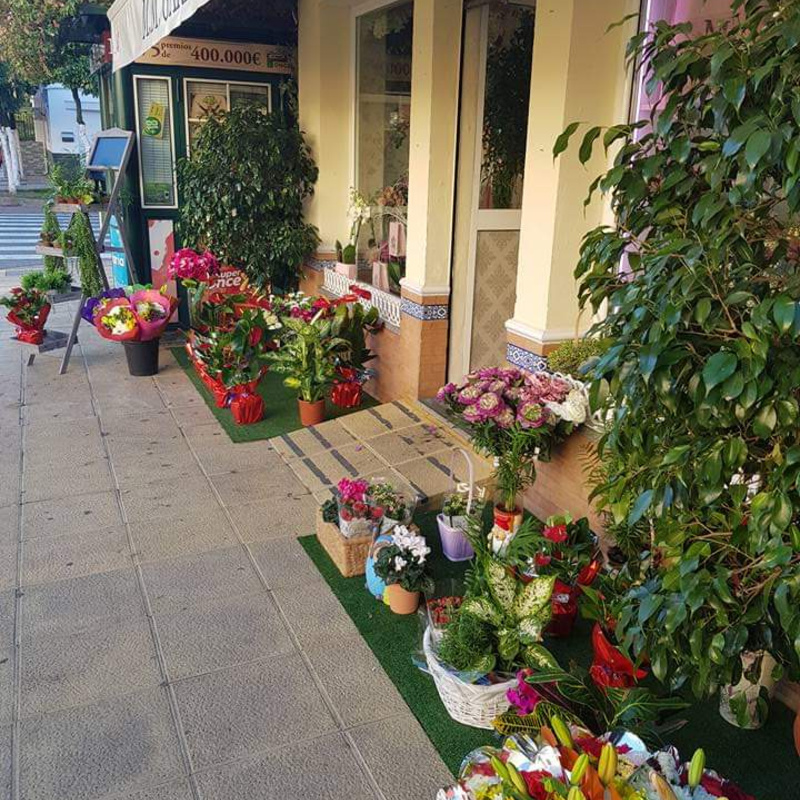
point(28, 311)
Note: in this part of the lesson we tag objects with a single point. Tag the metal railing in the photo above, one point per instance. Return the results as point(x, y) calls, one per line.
point(24, 120)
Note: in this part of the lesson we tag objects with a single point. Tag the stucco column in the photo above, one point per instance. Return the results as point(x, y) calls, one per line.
point(578, 75)
point(325, 98)
point(435, 72)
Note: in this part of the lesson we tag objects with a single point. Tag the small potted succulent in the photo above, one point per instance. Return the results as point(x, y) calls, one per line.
point(401, 564)
point(398, 505)
point(452, 523)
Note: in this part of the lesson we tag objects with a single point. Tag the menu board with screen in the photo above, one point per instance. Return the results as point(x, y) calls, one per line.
point(108, 152)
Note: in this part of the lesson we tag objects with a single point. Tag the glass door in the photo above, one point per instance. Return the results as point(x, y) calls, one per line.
point(495, 97)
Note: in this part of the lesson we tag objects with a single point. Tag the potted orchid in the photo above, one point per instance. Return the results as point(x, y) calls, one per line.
point(515, 417)
point(401, 564)
point(358, 212)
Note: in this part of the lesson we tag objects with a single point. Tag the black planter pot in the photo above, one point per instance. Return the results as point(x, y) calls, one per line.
point(142, 357)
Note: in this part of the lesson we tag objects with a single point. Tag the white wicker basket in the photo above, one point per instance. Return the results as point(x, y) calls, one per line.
point(468, 703)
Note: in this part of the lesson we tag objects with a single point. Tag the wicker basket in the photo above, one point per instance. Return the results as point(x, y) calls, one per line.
point(349, 555)
point(468, 703)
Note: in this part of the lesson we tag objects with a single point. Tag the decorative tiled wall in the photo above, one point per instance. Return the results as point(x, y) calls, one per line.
point(426, 313)
point(525, 359)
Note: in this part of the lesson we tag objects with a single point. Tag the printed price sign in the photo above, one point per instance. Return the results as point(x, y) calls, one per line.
point(173, 51)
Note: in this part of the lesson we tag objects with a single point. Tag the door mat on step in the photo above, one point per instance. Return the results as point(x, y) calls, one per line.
point(766, 772)
point(280, 404)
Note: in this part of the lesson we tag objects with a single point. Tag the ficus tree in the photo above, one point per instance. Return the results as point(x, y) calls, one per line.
point(242, 194)
point(700, 278)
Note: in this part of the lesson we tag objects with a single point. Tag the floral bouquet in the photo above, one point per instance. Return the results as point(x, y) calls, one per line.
point(28, 310)
point(138, 314)
point(515, 417)
point(359, 515)
point(398, 505)
point(566, 761)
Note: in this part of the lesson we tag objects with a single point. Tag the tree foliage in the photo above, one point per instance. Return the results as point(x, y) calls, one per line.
point(703, 374)
point(31, 41)
point(243, 191)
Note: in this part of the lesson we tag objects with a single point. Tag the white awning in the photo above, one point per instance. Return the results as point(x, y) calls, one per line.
point(136, 25)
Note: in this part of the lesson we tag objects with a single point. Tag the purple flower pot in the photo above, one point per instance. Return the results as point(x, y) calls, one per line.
point(454, 544)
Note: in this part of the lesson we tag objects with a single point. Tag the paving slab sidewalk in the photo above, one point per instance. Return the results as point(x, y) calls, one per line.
point(163, 636)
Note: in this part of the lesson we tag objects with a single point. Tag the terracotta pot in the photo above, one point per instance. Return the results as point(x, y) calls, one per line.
point(797, 733)
point(401, 601)
point(311, 413)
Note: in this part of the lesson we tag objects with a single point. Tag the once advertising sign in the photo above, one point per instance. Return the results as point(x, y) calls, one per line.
point(176, 52)
point(229, 281)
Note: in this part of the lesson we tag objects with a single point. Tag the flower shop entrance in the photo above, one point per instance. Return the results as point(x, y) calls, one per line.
point(498, 45)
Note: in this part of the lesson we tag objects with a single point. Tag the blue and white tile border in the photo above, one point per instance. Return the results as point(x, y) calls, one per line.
point(425, 313)
point(525, 359)
point(318, 264)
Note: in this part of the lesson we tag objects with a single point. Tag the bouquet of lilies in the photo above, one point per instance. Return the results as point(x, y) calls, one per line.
point(566, 761)
point(137, 313)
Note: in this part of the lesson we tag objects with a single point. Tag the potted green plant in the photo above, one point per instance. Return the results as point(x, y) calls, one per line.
point(703, 362)
point(307, 357)
point(398, 504)
point(575, 357)
point(243, 190)
point(70, 185)
point(352, 322)
point(402, 565)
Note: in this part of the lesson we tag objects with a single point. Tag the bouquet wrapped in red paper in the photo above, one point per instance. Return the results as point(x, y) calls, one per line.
point(28, 311)
point(136, 314)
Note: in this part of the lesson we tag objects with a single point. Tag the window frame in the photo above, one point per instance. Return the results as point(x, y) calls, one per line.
point(228, 84)
point(171, 106)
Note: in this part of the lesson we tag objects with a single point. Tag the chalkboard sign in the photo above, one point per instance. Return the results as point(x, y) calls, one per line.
point(109, 151)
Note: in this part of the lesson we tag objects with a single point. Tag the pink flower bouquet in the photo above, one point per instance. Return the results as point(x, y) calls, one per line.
point(359, 515)
point(515, 417)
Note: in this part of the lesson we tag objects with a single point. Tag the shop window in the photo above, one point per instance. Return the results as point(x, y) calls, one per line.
point(509, 59)
point(205, 99)
point(383, 115)
point(156, 144)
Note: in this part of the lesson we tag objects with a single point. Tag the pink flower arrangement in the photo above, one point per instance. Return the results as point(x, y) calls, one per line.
point(523, 696)
point(515, 416)
point(355, 501)
point(189, 265)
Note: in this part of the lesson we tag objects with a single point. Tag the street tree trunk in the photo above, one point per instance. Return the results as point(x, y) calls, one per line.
point(17, 148)
point(83, 138)
point(6, 150)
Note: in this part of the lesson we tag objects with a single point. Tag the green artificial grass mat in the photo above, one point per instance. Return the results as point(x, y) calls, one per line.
point(280, 406)
point(762, 762)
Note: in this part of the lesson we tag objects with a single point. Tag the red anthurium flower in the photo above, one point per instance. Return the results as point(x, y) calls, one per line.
point(556, 533)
